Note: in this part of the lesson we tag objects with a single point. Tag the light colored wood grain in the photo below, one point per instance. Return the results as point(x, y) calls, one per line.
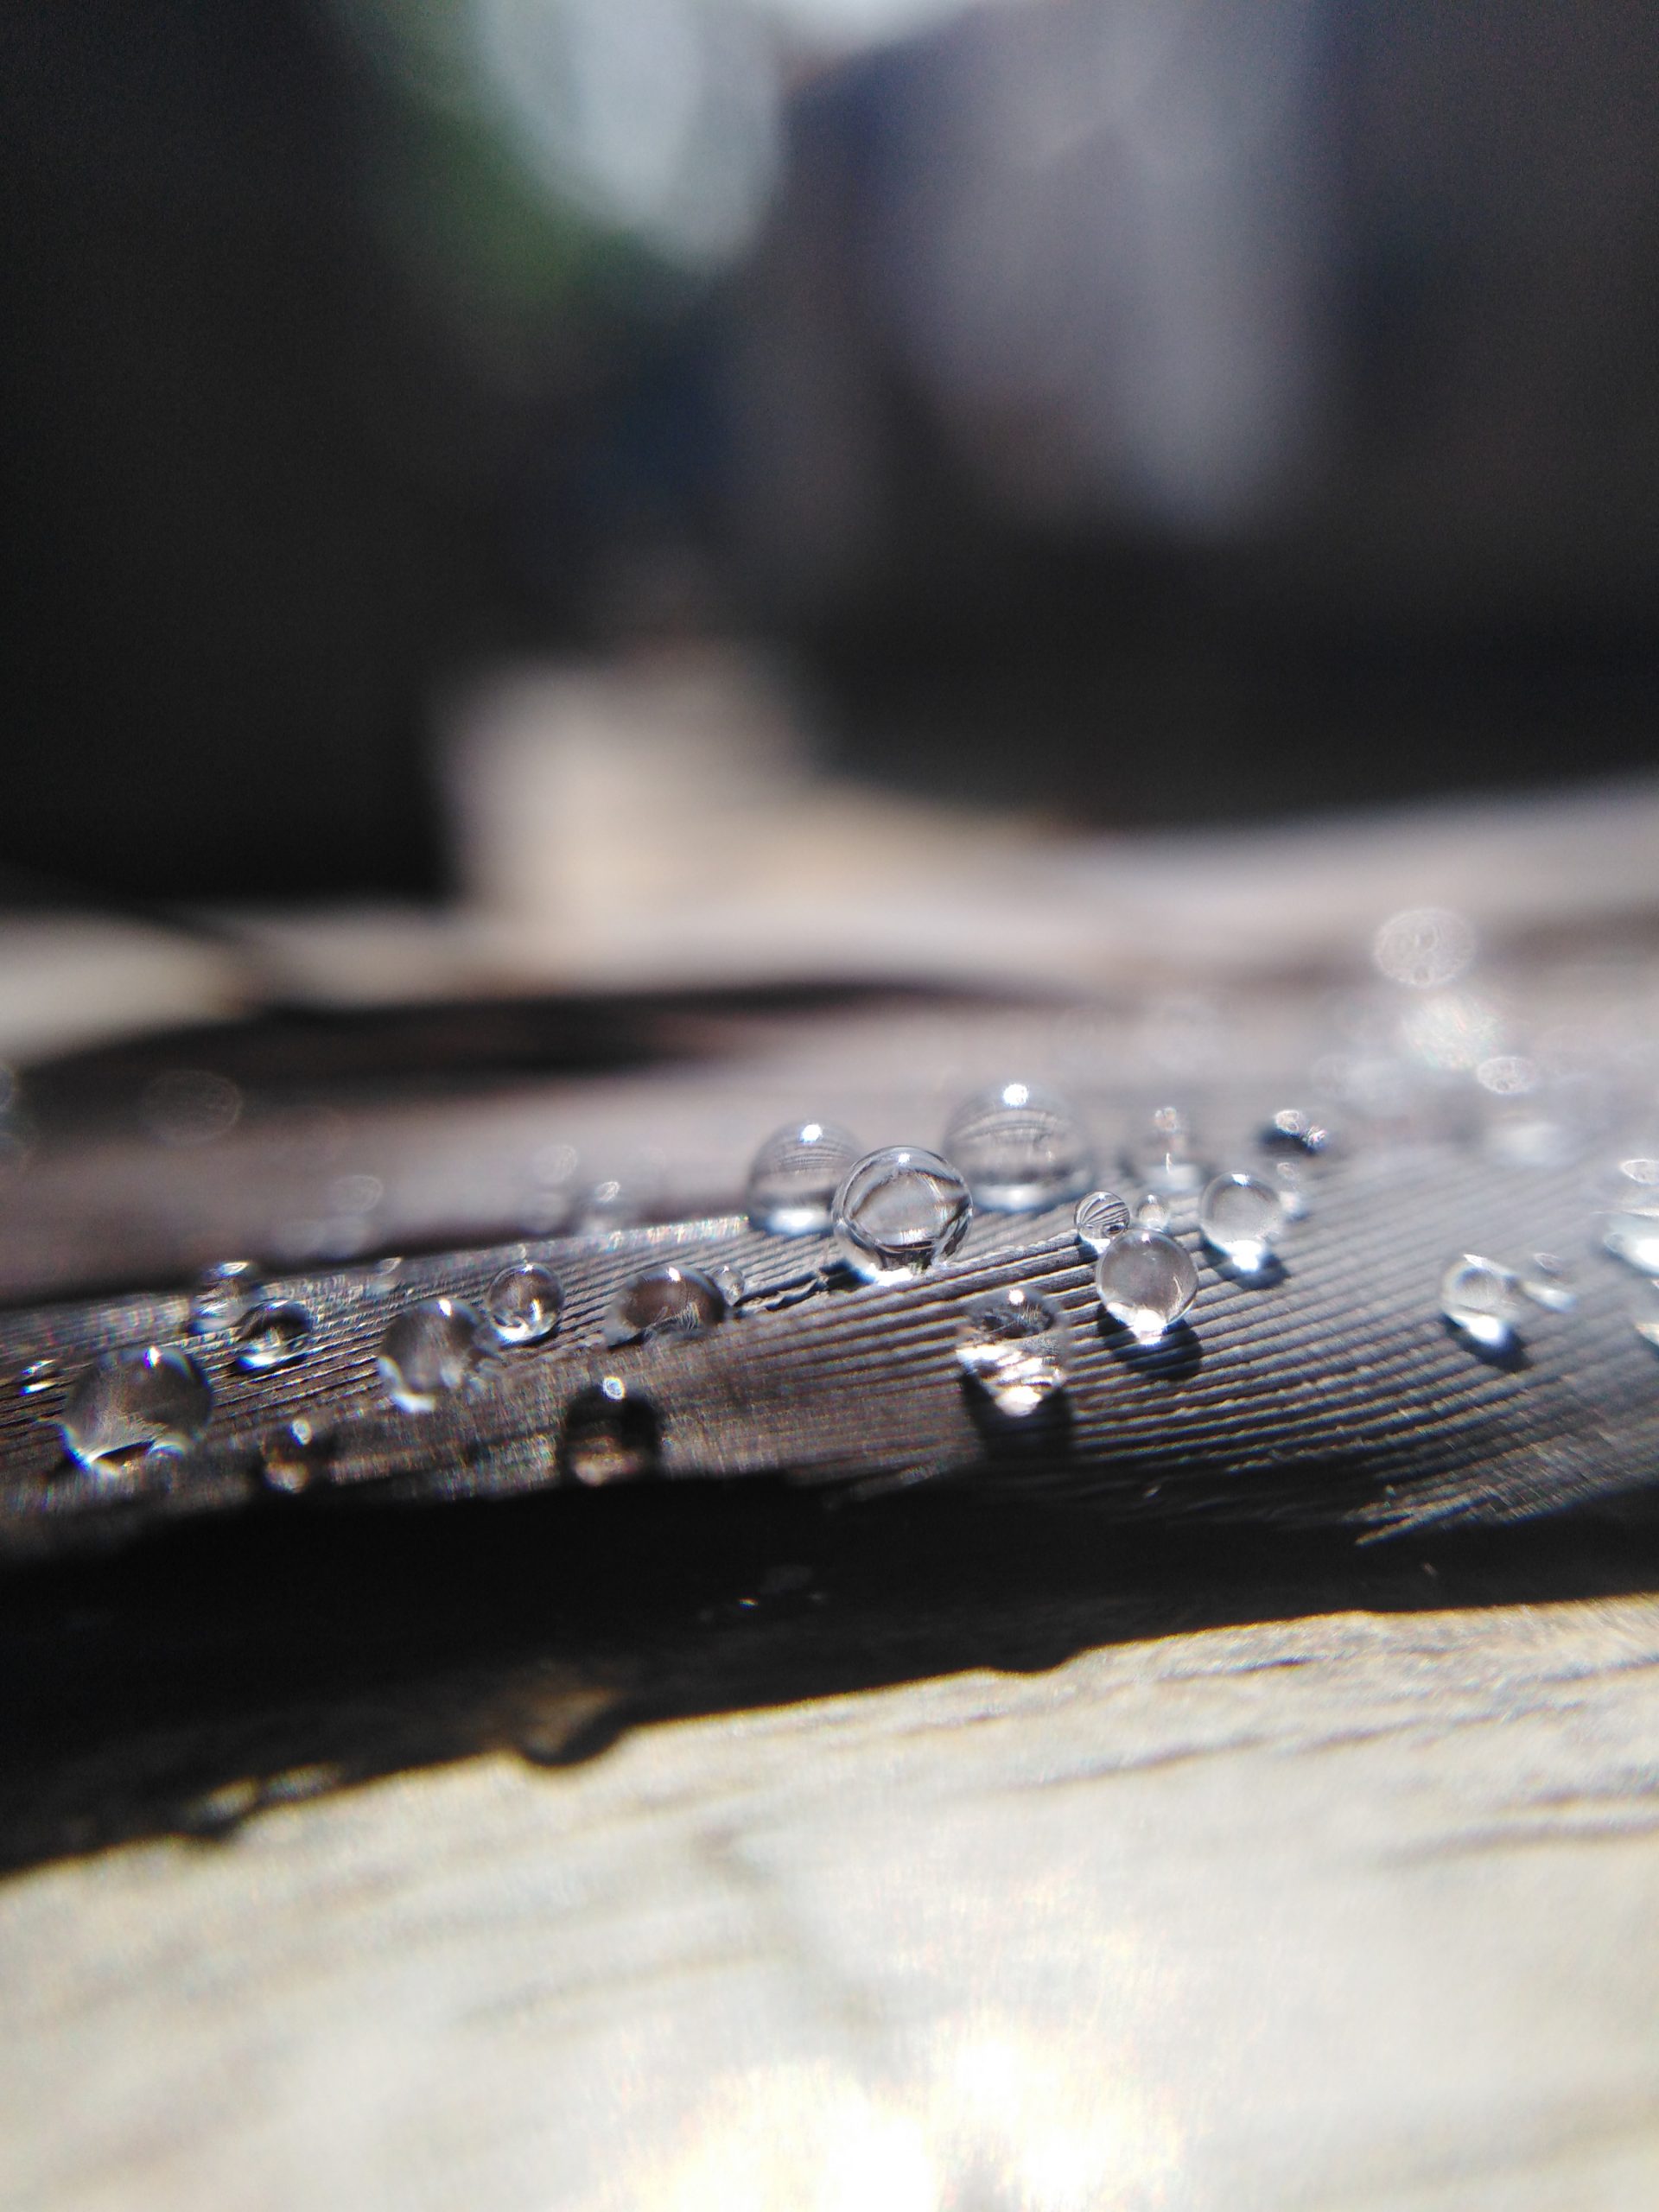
point(1351, 1910)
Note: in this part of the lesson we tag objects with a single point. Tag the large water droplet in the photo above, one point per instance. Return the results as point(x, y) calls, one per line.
point(664, 1301)
point(1018, 1148)
point(1482, 1299)
point(131, 1403)
point(610, 1434)
point(795, 1176)
point(223, 1294)
point(427, 1354)
point(524, 1304)
point(1101, 1215)
point(1147, 1281)
point(1162, 1154)
point(899, 1210)
point(1242, 1217)
point(274, 1335)
point(1013, 1343)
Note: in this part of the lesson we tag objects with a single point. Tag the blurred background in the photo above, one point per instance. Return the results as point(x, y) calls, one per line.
point(1107, 412)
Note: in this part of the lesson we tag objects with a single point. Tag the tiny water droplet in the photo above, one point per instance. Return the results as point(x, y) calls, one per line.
point(1482, 1299)
point(274, 1334)
point(1152, 1211)
point(291, 1456)
point(524, 1304)
point(1243, 1218)
point(223, 1294)
point(428, 1353)
point(1547, 1281)
point(1018, 1148)
point(610, 1434)
point(1162, 1156)
point(664, 1301)
point(1147, 1281)
point(189, 1106)
point(1013, 1343)
point(899, 1210)
point(129, 1402)
point(1645, 1313)
point(383, 1278)
point(1101, 1215)
point(795, 1176)
point(1291, 1132)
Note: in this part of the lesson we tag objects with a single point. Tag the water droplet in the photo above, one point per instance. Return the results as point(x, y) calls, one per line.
point(291, 1456)
point(1147, 1281)
point(1242, 1217)
point(899, 1210)
point(383, 1278)
point(1100, 1215)
point(1629, 1191)
point(665, 1300)
point(1018, 1148)
point(1645, 1313)
point(129, 1402)
point(428, 1353)
point(1290, 1180)
point(1152, 1211)
point(188, 1106)
point(1482, 1299)
point(1423, 947)
point(1294, 1135)
point(274, 1334)
point(795, 1176)
point(524, 1304)
point(611, 1434)
point(40, 1378)
point(1548, 1282)
point(222, 1296)
point(1162, 1155)
point(1012, 1344)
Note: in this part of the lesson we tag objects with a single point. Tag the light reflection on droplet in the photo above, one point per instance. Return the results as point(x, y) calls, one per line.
point(1163, 1156)
point(1242, 1217)
point(1145, 1281)
point(664, 1301)
point(524, 1304)
point(1100, 1215)
point(1547, 1281)
point(222, 1296)
point(275, 1334)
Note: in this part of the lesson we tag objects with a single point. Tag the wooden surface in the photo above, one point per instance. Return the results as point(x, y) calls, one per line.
point(1093, 1876)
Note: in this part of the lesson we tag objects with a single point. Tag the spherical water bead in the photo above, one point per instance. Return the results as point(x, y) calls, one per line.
point(131, 1403)
point(1424, 948)
point(524, 1304)
point(291, 1456)
point(384, 1279)
point(1013, 1343)
point(223, 1294)
point(1547, 1281)
point(1018, 1148)
point(1645, 1313)
point(795, 1176)
point(665, 1300)
point(1101, 1215)
point(1147, 1281)
point(1482, 1299)
point(274, 1334)
point(1162, 1154)
point(428, 1353)
point(1152, 1211)
point(1243, 1218)
point(610, 1434)
point(899, 1210)
point(1290, 1180)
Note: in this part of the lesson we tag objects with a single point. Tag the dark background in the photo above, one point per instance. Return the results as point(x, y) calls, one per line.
point(1144, 414)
